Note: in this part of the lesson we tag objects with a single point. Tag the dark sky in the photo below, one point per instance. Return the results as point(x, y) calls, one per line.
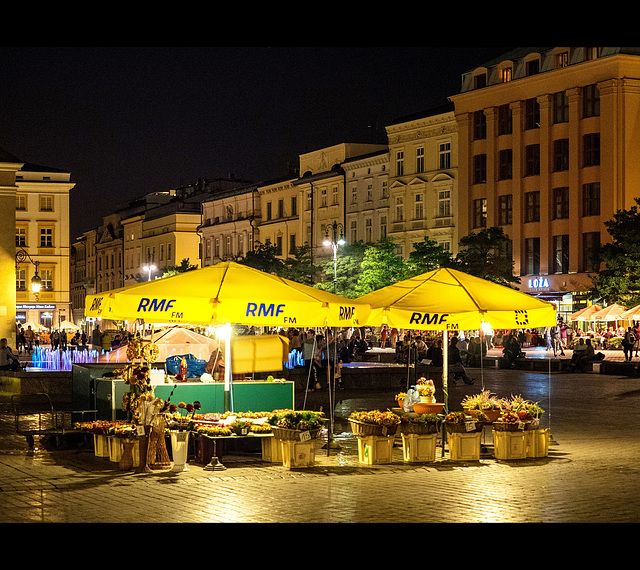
point(126, 121)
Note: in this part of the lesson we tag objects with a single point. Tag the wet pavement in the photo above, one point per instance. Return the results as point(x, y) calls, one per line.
point(591, 473)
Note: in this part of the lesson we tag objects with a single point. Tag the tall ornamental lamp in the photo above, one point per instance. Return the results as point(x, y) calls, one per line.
point(333, 241)
point(36, 282)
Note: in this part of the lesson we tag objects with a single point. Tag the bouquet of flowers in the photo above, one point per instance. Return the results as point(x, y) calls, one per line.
point(426, 388)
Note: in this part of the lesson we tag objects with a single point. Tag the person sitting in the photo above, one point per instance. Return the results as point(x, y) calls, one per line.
point(8, 360)
point(434, 353)
point(455, 363)
point(511, 351)
point(582, 353)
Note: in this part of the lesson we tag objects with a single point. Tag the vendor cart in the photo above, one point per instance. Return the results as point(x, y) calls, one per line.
point(35, 416)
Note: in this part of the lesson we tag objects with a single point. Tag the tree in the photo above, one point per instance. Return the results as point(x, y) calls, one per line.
point(264, 257)
point(483, 254)
point(182, 268)
point(380, 267)
point(426, 256)
point(299, 267)
point(617, 281)
point(348, 270)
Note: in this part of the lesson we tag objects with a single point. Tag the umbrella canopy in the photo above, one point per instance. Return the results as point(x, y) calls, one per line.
point(68, 325)
point(447, 299)
point(632, 314)
point(610, 313)
point(585, 314)
point(227, 293)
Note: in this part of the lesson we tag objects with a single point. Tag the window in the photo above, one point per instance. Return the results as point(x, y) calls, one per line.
point(506, 74)
point(505, 167)
point(21, 237)
point(21, 279)
point(354, 195)
point(560, 203)
point(46, 237)
point(168, 251)
point(309, 200)
point(21, 203)
point(383, 227)
point(385, 189)
point(531, 114)
point(420, 159)
point(323, 197)
point(444, 203)
point(292, 243)
point(280, 208)
point(370, 193)
point(591, 148)
point(46, 203)
point(560, 155)
point(532, 160)
point(334, 195)
point(505, 209)
point(560, 107)
point(533, 67)
point(532, 256)
point(532, 207)
point(591, 199)
point(399, 163)
point(294, 205)
point(505, 122)
point(444, 151)
point(561, 254)
point(354, 231)
point(562, 59)
point(590, 101)
point(479, 168)
point(479, 125)
point(590, 249)
point(368, 231)
point(269, 206)
point(47, 279)
point(241, 244)
point(480, 213)
point(399, 209)
point(419, 207)
point(278, 246)
point(480, 81)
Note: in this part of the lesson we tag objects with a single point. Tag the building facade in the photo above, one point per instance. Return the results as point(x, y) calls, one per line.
point(42, 232)
point(423, 180)
point(548, 149)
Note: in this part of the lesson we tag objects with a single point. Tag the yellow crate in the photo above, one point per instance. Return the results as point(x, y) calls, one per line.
point(100, 445)
point(115, 449)
point(509, 444)
point(297, 454)
point(537, 442)
point(418, 447)
point(464, 446)
point(375, 449)
point(271, 450)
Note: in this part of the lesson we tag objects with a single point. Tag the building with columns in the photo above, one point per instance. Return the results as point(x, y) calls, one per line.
point(548, 145)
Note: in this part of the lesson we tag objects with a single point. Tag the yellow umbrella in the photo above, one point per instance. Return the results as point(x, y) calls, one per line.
point(632, 314)
point(447, 299)
point(450, 300)
point(227, 293)
point(610, 313)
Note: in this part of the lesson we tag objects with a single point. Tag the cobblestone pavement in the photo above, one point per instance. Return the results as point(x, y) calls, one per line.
point(590, 475)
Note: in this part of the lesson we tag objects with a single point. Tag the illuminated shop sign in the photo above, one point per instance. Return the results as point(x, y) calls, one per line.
point(35, 306)
point(539, 283)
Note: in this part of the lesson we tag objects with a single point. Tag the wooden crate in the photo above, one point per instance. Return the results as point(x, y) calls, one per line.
point(296, 454)
point(536, 442)
point(375, 449)
point(509, 444)
point(418, 448)
point(464, 446)
point(271, 450)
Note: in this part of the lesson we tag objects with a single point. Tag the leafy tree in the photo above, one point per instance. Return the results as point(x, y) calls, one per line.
point(617, 281)
point(264, 257)
point(349, 268)
point(482, 254)
point(182, 268)
point(299, 267)
point(426, 256)
point(380, 267)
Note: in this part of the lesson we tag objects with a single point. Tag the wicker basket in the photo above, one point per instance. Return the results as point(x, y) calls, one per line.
point(286, 434)
point(502, 426)
point(364, 429)
point(418, 428)
point(461, 427)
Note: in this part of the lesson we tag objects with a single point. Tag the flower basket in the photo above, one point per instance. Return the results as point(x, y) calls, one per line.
point(286, 434)
point(428, 408)
point(367, 429)
point(464, 427)
point(509, 426)
point(417, 428)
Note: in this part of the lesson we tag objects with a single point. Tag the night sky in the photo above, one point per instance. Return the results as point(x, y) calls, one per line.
point(126, 121)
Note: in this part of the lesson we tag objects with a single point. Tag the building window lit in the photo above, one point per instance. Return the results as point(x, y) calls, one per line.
point(591, 199)
point(46, 237)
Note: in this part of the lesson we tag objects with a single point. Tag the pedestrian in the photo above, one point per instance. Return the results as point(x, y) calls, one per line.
point(563, 327)
point(383, 336)
point(556, 340)
point(28, 340)
point(8, 360)
point(21, 342)
point(628, 341)
point(455, 363)
point(308, 347)
point(636, 331)
point(393, 337)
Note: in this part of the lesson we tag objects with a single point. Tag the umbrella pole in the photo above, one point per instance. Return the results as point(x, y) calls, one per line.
point(227, 369)
point(445, 379)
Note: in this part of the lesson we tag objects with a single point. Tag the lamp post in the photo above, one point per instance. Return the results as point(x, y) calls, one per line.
point(36, 282)
point(334, 241)
point(149, 269)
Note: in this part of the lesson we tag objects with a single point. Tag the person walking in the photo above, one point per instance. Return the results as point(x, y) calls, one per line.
point(628, 342)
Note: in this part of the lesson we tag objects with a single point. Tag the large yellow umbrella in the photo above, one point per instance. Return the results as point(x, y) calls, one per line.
point(609, 313)
point(632, 314)
point(585, 314)
point(450, 300)
point(227, 293)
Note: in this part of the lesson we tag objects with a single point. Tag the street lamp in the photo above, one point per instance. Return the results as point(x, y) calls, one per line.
point(36, 282)
point(334, 241)
point(149, 269)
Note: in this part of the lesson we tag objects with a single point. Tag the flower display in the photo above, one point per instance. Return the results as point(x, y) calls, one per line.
point(305, 420)
point(376, 417)
point(482, 401)
point(420, 419)
point(425, 387)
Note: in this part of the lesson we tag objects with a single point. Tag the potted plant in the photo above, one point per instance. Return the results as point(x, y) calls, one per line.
point(374, 422)
point(400, 399)
point(294, 426)
point(459, 422)
point(483, 403)
point(420, 423)
point(426, 390)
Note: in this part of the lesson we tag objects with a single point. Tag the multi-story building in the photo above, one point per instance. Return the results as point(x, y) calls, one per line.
point(279, 222)
point(548, 149)
point(42, 231)
point(423, 179)
point(228, 225)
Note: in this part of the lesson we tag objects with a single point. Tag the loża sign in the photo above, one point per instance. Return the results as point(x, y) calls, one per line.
point(538, 283)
